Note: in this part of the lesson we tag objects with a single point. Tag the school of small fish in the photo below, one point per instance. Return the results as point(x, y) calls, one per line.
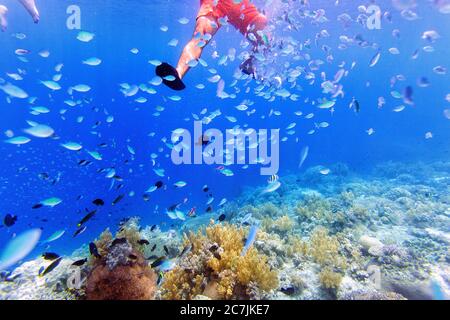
point(285, 70)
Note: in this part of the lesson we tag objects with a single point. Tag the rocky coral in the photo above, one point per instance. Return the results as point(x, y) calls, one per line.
point(28, 286)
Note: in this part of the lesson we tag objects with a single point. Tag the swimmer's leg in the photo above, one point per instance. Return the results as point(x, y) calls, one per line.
point(192, 51)
point(3, 20)
point(30, 5)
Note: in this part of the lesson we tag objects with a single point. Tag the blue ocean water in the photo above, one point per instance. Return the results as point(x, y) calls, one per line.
point(122, 26)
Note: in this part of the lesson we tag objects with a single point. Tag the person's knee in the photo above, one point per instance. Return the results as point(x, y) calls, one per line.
point(206, 25)
point(260, 23)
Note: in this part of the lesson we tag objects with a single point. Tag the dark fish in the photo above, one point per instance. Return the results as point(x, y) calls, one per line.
point(214, 248)
point(132, 257)
point(41, 269)
point(56, 180)
point(51, 267)
point(289, 290)
point(37, 206)
point(86, 218)
point(146, 197)
point(153, 248)
point(158, 262)
point(93, 250)
point(407, 96)
point(4, 275)
point(84, 163)
point(355, 105)
point(50, 256)
point(79, 263)
point(98, 202)
point(118, 178)
point(186, 249)
point(205, 189)
point(43, 175)
point(79, 231)
point(222, 217)
point(116, 200)
point(166, 250)
point(9, 220)
point(159, 184)
point(209, 209)
point(7, 277)
point(152, 257)
point(143, 242)
point(153, 227)
point(118, 241)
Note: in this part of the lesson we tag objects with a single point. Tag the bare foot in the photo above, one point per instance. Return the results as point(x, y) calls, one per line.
point(30, 5)
point(3, 21)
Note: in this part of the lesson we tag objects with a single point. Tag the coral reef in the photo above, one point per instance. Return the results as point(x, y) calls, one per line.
point(130, 281)
point(104, 242)
point(341, 236)
point(281, 225)
point(121, 272)
point(130, 230)
point(27, 285)
point(216, 268)
point(329, 278)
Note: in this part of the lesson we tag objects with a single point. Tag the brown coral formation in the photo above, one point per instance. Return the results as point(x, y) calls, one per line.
point(281, 225)
point(121, 272)
point(324, 250)
point(135, 281)
point(216, 268)
point(329, 278)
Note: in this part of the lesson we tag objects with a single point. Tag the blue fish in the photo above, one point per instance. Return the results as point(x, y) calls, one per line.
point(250, 239)
point(436, 289)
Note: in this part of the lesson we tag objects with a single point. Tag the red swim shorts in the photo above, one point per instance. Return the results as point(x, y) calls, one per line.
point(244, 16)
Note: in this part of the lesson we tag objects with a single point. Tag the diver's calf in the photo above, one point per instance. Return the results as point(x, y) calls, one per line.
point(29, 5)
